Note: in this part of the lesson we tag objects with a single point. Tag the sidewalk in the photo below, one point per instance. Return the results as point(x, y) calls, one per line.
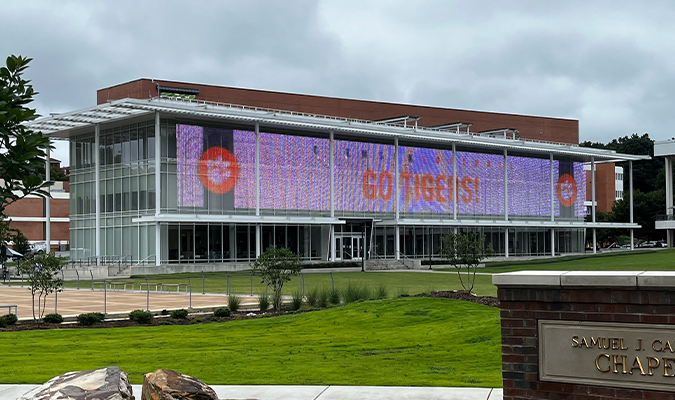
point(270, 392)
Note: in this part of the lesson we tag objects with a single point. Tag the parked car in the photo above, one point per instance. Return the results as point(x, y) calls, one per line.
point(39, 247)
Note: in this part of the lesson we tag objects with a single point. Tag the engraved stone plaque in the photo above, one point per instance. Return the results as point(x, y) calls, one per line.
point(608, 354)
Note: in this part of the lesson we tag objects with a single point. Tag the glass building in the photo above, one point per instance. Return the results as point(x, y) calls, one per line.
point(161, 181)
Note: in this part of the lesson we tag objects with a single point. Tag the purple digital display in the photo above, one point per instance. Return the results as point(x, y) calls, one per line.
point(295, 175)
point(189, 148)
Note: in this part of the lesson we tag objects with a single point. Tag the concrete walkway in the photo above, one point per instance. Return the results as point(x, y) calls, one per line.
point(282, 392)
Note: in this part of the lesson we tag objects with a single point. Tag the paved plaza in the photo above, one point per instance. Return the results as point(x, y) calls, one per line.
point(72, 302)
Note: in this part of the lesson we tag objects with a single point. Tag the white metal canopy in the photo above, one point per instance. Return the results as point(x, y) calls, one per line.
point(65, 125)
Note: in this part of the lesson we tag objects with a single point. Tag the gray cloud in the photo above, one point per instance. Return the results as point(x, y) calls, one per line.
point(606, 63)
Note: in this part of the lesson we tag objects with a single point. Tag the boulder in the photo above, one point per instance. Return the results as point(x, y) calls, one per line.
point(110, 383)
point(165, 384)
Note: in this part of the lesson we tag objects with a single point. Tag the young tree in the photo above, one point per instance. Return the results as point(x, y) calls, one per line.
point(41, 272)
point(276, 267)
point(465, 250)
point(22, 151)
point(21, 243)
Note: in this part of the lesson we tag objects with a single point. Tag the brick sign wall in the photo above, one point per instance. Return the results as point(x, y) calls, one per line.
point(605, 335)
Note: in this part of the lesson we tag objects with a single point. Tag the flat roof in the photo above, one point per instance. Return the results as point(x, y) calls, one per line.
point(66, 125)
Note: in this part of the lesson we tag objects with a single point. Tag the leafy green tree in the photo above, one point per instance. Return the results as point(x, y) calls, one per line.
point(465, 251)
point(21, 243)
point(646, 206)
point(41, 272)
point(646, 172)
point(23, 151)
point(276, 267)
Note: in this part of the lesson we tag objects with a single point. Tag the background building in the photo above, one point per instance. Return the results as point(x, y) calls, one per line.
point(29, 215)
point(177, 179)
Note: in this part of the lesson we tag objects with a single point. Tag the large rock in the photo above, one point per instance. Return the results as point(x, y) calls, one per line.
point(165, 384)
point(110, 383)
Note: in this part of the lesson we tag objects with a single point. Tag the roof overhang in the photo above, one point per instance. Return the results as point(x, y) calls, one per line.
point(66, 125)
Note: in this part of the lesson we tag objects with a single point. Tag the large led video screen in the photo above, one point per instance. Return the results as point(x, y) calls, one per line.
point(216, 170)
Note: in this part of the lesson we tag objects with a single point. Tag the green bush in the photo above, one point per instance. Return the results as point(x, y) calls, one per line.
point(334, 297)
point(354, 293)
point(323, 298)
point(7, 320)
point(297, 301)
point(87, 319)
point(263, 302)
point(197, 321)
point(233, 302)
point(179, 314)
point(222, 313)
point(313, 297)
point(141, 316)
point(381, 292)
point(53, 318)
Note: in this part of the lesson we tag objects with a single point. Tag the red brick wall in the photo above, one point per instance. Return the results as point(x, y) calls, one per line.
point(539, 128)
point(28, 207)
point(522, 308)
point(605, 185)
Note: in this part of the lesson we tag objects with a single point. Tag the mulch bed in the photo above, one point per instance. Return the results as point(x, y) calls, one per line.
point(452, 294)
point(157, 321)
point(209, 318)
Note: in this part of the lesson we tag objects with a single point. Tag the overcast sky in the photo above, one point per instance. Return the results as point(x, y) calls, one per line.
point(609, 64)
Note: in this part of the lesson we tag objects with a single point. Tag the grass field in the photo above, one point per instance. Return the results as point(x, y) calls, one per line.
point(645, 260)
point(405, 341)
point(396, 282)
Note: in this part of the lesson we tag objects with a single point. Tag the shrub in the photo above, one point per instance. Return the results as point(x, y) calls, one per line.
point(263, 302)
point(141, 316)
point(334, 297)
point(87, 319)
point(197, 321)
point(233, 302)
point(297, 301)
point(179, 314)
point(323, 298)
point(222, 313)
point(8, 319)
point(355, 293)
point(313, 297)
point(381, 292)
point(53, 318)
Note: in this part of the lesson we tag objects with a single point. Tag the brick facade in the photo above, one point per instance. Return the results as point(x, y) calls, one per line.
point(529, 127)
point(523, 307)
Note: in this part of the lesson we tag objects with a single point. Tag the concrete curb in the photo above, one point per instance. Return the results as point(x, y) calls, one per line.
point(289, 392)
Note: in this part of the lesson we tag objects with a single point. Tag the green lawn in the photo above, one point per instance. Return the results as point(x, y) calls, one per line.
point(396, 282)
point(405, 341)
point(646, 260)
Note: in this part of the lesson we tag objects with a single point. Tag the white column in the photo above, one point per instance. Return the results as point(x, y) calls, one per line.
point(397, 242)
point(630, 190)
point(593, 200)
point(552, 242)
point(506, 242)
point(331, 163)
point(454, 181)
point(257, 171)
point(258, 246)
point(158, 188)
point(506, 187)
point(97, 188)
point(48, 211)
point(396, 180)
point(552, 190)
point(332, 242)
